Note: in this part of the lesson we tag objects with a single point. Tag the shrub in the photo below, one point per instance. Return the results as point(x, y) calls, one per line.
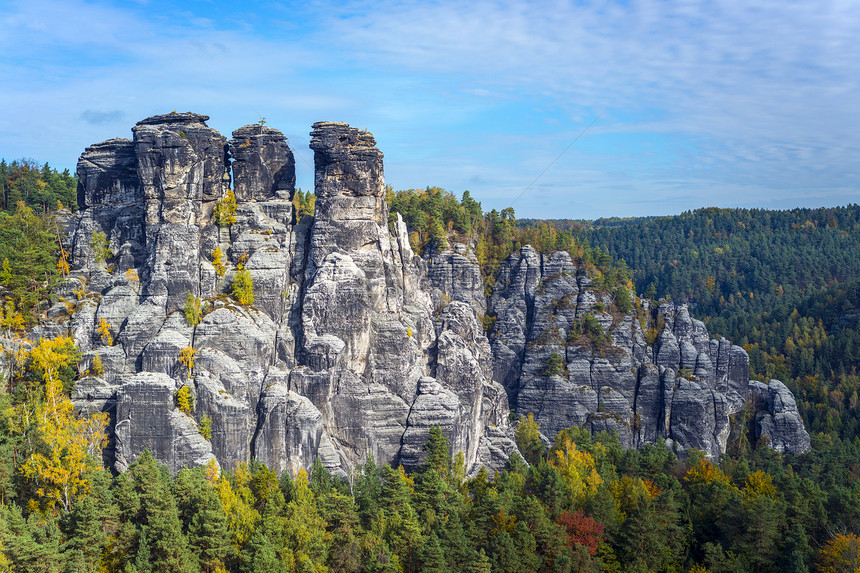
point(206, 427)
point(96, 366)
point(193, 309)
point(104, 331)
point(186, 358)
point(184, 400)
point(218, 262)
point(554, 365)
point(225, 210)
point(100, 244)
point(133, 278)
point(243, 287)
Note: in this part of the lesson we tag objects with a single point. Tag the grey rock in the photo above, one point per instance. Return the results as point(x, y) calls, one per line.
point(777, 417)
point(354, 345)
point(263, 163)
point(147, 419)
point(454, 274)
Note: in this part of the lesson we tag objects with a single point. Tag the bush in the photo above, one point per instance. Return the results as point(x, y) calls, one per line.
point(206, 427)
point(193, 309)
point(225, 210)
point(96, 366)
point(218, 262)
point(100, 244)
point(186, 358)
point(243, 287)
point(104, 332)
point(554, 365)
point(184, 400)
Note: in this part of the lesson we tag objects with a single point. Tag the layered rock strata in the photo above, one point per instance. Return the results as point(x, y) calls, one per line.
point(682, 386)
point(341, 354)
point(354, 345)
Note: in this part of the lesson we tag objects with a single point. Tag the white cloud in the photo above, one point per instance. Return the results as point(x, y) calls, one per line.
point(758, 97)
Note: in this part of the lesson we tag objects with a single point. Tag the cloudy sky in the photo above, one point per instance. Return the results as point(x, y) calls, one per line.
point(560, 109)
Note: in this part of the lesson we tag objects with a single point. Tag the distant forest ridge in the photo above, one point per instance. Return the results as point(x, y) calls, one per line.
point(38, 186)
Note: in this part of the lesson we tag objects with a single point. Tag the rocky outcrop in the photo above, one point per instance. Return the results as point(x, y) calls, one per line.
point(354, 345)
point(777, 418)
point(565, 353)
point(340, 355)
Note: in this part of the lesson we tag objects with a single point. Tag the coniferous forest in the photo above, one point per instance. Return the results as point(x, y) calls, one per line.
point(782, 283)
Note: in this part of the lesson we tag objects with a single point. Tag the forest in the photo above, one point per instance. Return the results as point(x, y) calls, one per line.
point(581, 503)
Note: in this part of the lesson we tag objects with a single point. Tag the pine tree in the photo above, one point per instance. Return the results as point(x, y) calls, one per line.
point(158, 518)
point(368, 489)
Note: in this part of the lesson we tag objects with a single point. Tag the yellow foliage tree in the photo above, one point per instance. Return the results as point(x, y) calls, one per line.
point(225, 210)
point(11, 319)
point(104, 331)
point(630, 493)
point(576, 468)
point(218, 262)
point(842, 553)
point(237, 499)
point(184, 400)
point(186, 358)
point(133, 279)
point(72, 443)
point(243, 287)
point(758, 484)
point(705, 472)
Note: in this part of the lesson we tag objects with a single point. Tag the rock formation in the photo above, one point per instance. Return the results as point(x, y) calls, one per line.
point(342, 353)
point(354, 345)
point(683, 387)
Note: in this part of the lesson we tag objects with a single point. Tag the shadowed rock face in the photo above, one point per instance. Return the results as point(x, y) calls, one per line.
point(354, 345)
point(263, 164)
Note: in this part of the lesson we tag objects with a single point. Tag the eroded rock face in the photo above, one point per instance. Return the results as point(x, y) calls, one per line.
point(777, 418)
point(684, 387)
point(263, 164)
point(354, 345)
point(339, 356)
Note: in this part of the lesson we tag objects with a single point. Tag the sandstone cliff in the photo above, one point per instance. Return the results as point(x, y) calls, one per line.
point(354, 345)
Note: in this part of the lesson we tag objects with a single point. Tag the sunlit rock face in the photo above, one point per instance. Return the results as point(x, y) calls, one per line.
point(343, 352)
point(684, 387)
point(354, 345)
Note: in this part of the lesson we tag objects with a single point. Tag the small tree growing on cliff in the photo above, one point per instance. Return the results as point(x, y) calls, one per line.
point(186, 358)
point(243, 287)
point(225, 210)
point(193, 309)
point(554, 365)
point(100, 244)
point(184, 400)
point(218, 262)
point(104, 332)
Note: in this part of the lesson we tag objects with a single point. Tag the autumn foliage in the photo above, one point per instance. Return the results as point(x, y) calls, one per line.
point(581, 530)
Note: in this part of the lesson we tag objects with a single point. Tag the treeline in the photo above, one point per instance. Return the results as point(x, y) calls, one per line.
point(584, 504)
point(434, 217)
point(30, 264)
point(40, 187)
point(29, 237)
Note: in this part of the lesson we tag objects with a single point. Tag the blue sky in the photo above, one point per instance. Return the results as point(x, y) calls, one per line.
point(693, 103)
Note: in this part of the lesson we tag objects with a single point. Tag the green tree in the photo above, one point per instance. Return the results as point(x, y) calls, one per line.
point(528, 439)
point(193, 309)
point(243, 287)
